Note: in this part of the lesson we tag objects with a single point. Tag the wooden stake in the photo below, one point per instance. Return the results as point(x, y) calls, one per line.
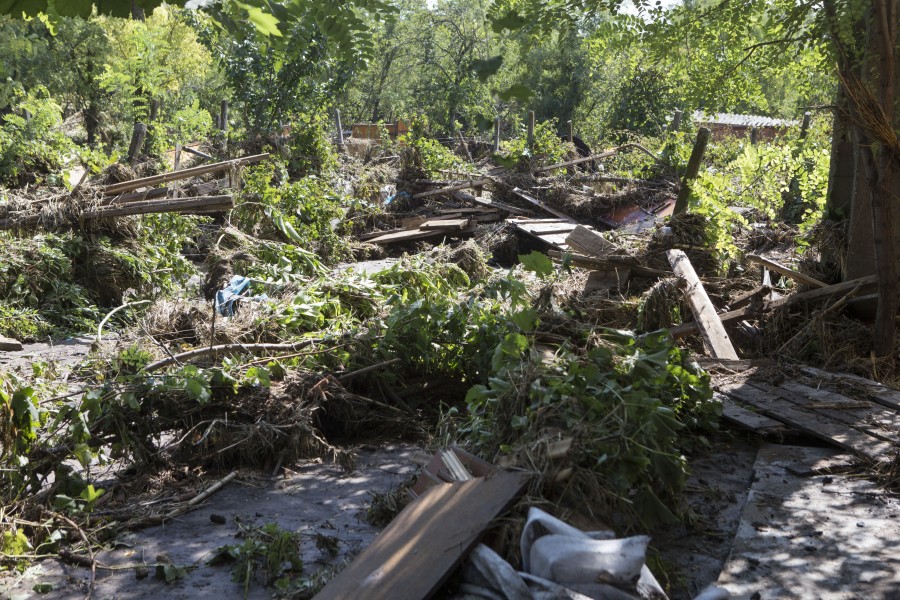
point(340, 129)
point(714, 334)
point(496, 135)
point(693, 168)
point(571, 132)
point(676, 120)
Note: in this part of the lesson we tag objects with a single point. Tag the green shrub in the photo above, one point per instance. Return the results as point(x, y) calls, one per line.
point(33, 148)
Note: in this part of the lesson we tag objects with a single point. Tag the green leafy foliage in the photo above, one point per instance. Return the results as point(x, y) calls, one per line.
point(33, 148)
point(268, 554)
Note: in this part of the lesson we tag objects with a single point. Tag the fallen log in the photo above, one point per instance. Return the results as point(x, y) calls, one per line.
point(183, 205)
point(128, 186)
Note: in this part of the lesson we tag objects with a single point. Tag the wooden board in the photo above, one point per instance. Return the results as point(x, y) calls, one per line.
point(605, 280)
point(9, 344)
point(714, 334)
point(748, 419)
point(882, 394)
point(542, 205)
point(408, 236)
point(811, 422)
point(446, 224)
point(591, 243)
point(423, 545)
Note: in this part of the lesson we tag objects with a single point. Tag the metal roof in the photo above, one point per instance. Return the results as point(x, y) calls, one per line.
point(741, 120)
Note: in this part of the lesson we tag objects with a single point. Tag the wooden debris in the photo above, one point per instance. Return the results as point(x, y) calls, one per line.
point(879, 393)
point(815, 423)
point(542, 205)
point(446, 224)
point(610, 263)
point(453, 188)
point(789, 273)
point(410, 235)
point(579, 161)
point(750, 420)
point(714, 334)
point(9, 344)
point(746, 298)
point(182, 205)
point(128, 186)
point(487, 203)
point(424, 544)
point(589, 242)
point(605, 280)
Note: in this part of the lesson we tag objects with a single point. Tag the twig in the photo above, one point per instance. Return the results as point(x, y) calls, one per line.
point(368, 369)
point(92, 559)
point(114, 311)
point(212, 489)
point(838, 304)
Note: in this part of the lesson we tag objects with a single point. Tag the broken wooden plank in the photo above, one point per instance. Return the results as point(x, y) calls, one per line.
point(815, 424)
point(9, 344)
point(127, 186)
point(737, 366)
point(589, 242)
point(542, 205)
point(711, 328)
point(880, 393)
point(453, 188)
point(425, 543)
point(789, 273)
point(578, 161)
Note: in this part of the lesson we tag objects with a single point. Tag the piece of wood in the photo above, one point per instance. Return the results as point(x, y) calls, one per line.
point(578, 161)
point(496, 146)
point(880, 393)
point(446, 224)
point(563, 229)
point(542, 205)
point(591, 243)
point(738, 366)
point(418, 234)
point(486, 202)
point(815, 424)
point(128, 186)
point(783, 270)
point(743, 299)
point(453, 188)
point(183, 205)
point(530, 136)
point(425, 543)
point(755, 422)
point(9, 344)
point(607, 264)
point(872, 418)
point(711, 328)
point(412, 222)
point(693, 168)
point(151, 194)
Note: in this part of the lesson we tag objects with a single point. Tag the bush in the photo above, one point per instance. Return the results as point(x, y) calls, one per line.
point(33, 147)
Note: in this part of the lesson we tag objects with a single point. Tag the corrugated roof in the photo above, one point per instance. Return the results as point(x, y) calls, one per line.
point(741, 120)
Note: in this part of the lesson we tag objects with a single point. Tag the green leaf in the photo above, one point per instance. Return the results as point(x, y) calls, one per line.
point(265, 23)
point(537, 262)
point(510, 20)
point(484, 68)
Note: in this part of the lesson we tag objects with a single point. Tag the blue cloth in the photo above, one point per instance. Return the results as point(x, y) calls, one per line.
point(226, 297)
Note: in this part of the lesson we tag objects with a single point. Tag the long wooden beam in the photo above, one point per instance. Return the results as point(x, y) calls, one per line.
point(127, 186)
point(789, 273)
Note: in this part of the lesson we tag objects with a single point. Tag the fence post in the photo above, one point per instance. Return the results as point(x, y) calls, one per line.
point(571, 132)
point(676, 120)
point(693, 168)
point(531, 130)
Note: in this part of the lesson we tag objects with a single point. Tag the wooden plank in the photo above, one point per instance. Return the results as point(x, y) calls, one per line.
point(740, 416)
point(711, 328)
point(811, 422)
point(578, 161)
point(605, 280)
point(740, 365)
point(9, 344)
point(743, 299)
point(446, 224)
point(874, 419)
point(589, 242)
point(127, 186)
point(542, 205)
point(425, 543)
point(880, 393)
point(453, 188)
point(547, 229)
point(487, 203)
point(417, 234)
point(789, 273)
